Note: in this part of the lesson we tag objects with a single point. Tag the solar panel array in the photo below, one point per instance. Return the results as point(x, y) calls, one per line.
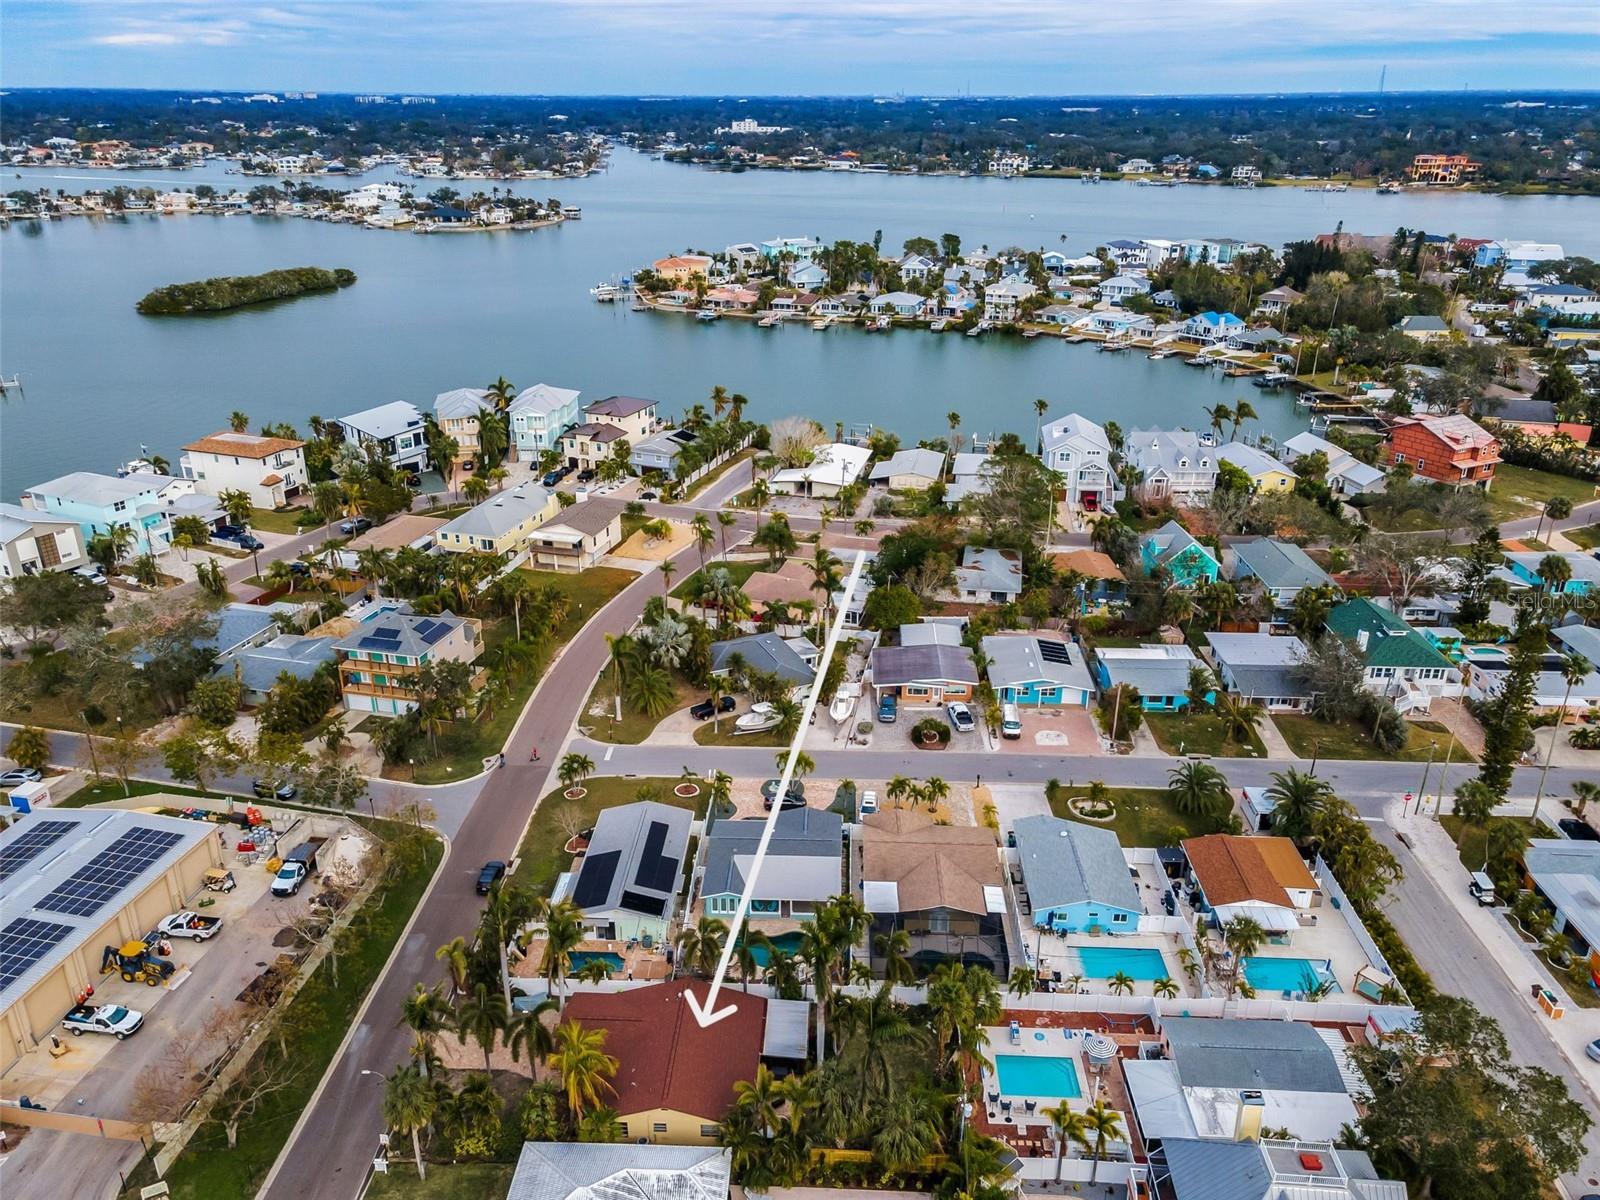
point(35, 838)
point(386, 637)
point(1056, 652)
point(431, 631)
point(594, 880)
point(88, 889)
point(24, 942)
point(657, 871)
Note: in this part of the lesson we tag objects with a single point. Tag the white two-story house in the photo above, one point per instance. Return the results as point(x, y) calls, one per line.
point(397, 430)
point(1078, 449)
point(271, 470)
point(1173, 462)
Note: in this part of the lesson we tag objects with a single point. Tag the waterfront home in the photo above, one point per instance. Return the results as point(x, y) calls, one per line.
point(1211, 327)
point(1259, 341)
point(941, 884)
point(676, 1078)
point(1453, 450)
point(1172, 463)
point(951, 302)
point(791, 659)
point(588, 445)
point(1267, 474)
point(1027, 668)
point(143, 502)
point(794, 303)
point(730, 297)
point(1126, 252)
point(1401, 664)
point(807, 276)
point(803, 248)
point(1219, 252)
point(743, 256)
point(1115, 323)
point(540, 415)
point(578, 536)
point(1079, 451)
point(32, 543)
point(660, 453)
point(988, 576)
point(634, 416)
point(457, 413)
point(1278, 301)
point(1347, 475)
point(899, 304)
point(380, 660)
point(1263, 878)
point(914, 268)
point(1002, 301)
point(837, 307)
point(1559, 300)
point(832, 468)
point(802, 869)
point(1099, 579)
point(1060, 314)
point(1159, 672)
point(915, 469)
point(270, 470)
point(1583, 569)
point(1261, 669)
point(682, 268)
point(627, 881)
point(396, 429)
point(1119, 288)
point(584, 1170)
point(924, 671)
point(1282, 568)
point(1137, 166)
point(258, 667)
point(1516, 256)
point(1245, 173)
point(1077, 877)
point(970, 475)
point(501, 524)
point(1424, 328)
point(1173, 549)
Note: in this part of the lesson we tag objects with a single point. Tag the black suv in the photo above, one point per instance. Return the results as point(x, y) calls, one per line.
point(493, 872)
point(704, 711)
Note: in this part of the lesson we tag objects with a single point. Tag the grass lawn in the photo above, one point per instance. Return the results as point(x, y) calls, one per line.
point(276, 522)
point(1307, 736)
point(1201, 733)
point(741, 460)
point(632, 524)
point(207, 1168)
point(1469, 839)
point(109, 790)
point(705, 735)
point(541, 855)
point(737, 571)
point(474, 741)
point(1144, 815)
point(1587, 536)
point(455, 1181)
point(1522, 491)
point(62, 710)
point(635, 726)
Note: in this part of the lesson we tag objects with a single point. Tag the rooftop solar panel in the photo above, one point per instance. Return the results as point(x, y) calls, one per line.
point(436, 631)
point(594, 880)
point(88, 889)
point(24, 942)
point(387, 631)
point(652, 906)
point(1056, 652)
point(35, 838)
point(656, 871)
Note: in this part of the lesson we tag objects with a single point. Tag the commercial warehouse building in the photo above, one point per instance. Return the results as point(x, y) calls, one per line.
point(73, 882)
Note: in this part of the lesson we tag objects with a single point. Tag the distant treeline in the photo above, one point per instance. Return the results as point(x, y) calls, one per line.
point(236, 291)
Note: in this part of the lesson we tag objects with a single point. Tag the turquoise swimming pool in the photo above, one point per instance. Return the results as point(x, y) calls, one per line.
point(1282, 974)
point(1136, 962)
point(582, 958)
point(784, 943)
point(1037, 1075)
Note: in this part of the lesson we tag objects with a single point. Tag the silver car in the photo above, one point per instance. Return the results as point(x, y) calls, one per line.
point(960, 716)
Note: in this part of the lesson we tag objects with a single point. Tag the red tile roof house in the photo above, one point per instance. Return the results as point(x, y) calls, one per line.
point(1454, 450)
point(674, 1080)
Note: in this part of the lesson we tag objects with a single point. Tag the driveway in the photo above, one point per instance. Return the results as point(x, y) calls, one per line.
point(1061, 730)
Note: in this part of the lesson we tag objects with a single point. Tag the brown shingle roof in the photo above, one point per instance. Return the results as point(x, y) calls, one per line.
point(932, 866)
point(1285, 863)
point(587, 516)
point(1232, 869)
point(788, 584)
point(1092, 563)
point(665, 1059)
point(243, 445)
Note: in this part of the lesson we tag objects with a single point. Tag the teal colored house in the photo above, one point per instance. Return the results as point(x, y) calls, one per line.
point(1584, 568)
point(1077, 876)
point(1173, 549)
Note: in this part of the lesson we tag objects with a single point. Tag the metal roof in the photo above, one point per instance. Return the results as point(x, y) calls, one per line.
point(916, 461)
point(1256, 1055)
point(543, 398)
point(765, 652)
point(1279, 564)
point(501, 513)
point(1016, 660)
point(620, 1171)
point(461, 402)
point(1156, 670)
point(803, 857)
point(410, 634)
point(385, 421)
point(788, 1029)
point(1568, 873)
point(895, 665)
point(1069, 862)
point(634, 859)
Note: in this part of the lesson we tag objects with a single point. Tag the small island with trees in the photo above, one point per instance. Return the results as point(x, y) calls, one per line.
point(237, 291)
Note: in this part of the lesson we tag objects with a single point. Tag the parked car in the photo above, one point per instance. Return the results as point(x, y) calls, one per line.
point(359, 525)
point(493, 872)
point(1593, 1049)
point(227, 532)
point(92, 573)
point(551, 478)
point(790, 800)
point(648, 496)
point(585, 476)
point(265, 791)
point(795, 797)
point(105, 1018)
point(298, 865)
point(191, 925)
point(1010, 722)
point(1578, 830)
point(249, 541)
point(960, 717)
point(1481, 889)
point(704, 710)
point(888, 706)
point(299, 569)
point(869, 803)
point(18, 776)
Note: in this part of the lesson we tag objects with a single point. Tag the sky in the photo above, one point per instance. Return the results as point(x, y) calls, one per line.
point(801, 47)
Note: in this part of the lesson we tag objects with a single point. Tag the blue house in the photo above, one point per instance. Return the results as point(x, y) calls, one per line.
point(1077, 877)
point(1159, 672)
point(1212, 327)
point(1025, 669)
point(144, 502)
point(1584, 568)
point(1174, 549)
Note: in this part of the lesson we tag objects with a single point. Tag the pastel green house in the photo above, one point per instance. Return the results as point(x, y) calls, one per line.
point(1172, 549)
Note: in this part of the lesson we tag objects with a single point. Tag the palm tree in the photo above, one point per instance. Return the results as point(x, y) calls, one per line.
point(1024, 981)
point(409, 1104)
point(1220, 416)
point(1243, 936)
point(453, 954)
point(908, 1131)
point(933, 792)
point(744, 957)
point(1575, 669)
point(759, 1096)
point(601, 1125)
point(1298, 800)
point(1166, 987)
point(900, 788)
point(584, 1066)
point(1066, 1125)
point(481, 1016)
point(1040, 407)
point(1120, 984)
point(563, 929)
point(1242, 412)
point(668, 568)
point(574, 769)
point(1555, 572)
point(725, 521)
point(238, 421)
point(650, 691)
point(426, 1014)
point(895, 949)
point(1198, 789)
point(700, 945)
point(1101, 1123)
point(1238, 717)
point(1557, 508)
point(877, 1026)
point(527, 1031)
point(704, 537)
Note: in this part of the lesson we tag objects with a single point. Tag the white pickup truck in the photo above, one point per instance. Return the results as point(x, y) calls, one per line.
point(104, 1018)
point(191, 925)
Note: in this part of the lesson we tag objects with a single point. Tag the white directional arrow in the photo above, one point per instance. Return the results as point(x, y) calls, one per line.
point(707, 1012)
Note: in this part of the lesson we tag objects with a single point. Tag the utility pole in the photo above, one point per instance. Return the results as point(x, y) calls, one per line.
point(1444, 775)
point(1422, 789)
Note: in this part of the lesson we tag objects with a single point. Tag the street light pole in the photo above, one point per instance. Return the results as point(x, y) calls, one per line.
point(1444, 774)
point(1422, 789)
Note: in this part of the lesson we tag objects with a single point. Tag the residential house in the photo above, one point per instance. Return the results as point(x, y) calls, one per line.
point(540, 415)
point(988, 576)
point(380, 660)
point(675, 1078)
point(1245, 173)
point(1173, 463)
point(800, 873)
point(1259, 341)
point(588, 445)
point(31, 543)
point(832, 468)
point(1079, 451)
point(791, 583)
point(457, 413)
point(634, 416)
point(808, 276)
point(1172, 549)
point(1516, 256)
point(743, 256)
point(940, 884)
point(502, 524)
point(1261, 669)
point(1263, 878)
point(802, 248)
point(1219, 252)
point(1210, 327)
point(660, 453)
point(914, 268)
point(1584, 571)
point(1160, 673)
point(1347, 475)
point(1137, 166)
point(1060, 314)
point(1539, 418)
point(1267, 474)
point(1424, 328)
point(141, 501)
point(791, 659)
point(1561, 300)
point(1120, 288)
point(931, 671)
point(1566, 875)
point(730, 297)
point(1282, 567)
point(898, 304)
point(628, 878)
point(837, 307)
point(916, 469)
point(238, 627)
point(578, 536)
point(682, 268)
point(970, 475)
point(270, 470)
point(258, 667)
point(397, 429)
point(1115, 324)
point(592, 1170)
point(1077, 879)
point(1127, 253)
point(1100, 580)
point(1454, 449)
point(1028, 668)
point(1262, 1169)
point(1278, 301)
point(1002, 301)
point(1401, 664)
point(1442, 169)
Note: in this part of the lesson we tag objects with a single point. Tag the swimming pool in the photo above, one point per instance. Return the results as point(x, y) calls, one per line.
point(1136, 962)
point(582, 958)
point(1038, 1075)
point(1282, 974)
point(784, 943)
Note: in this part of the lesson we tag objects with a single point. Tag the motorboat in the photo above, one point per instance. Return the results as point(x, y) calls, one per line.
point(844, 704)
point(761, 717)
point(707, 315)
